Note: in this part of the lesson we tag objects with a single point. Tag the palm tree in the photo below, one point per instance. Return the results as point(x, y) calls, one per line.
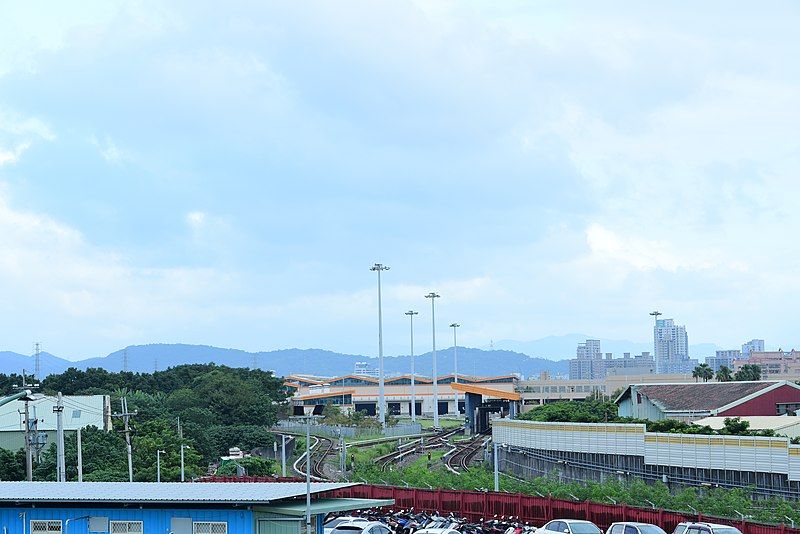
point(724, 374)
point(706, 372)
point(696, 373)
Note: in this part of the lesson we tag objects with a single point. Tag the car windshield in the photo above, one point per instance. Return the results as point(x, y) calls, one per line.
point(347, 529)
point(726, 530)
point(334, 522)
point(584, 528)
point(679, 529)
point(650, 529)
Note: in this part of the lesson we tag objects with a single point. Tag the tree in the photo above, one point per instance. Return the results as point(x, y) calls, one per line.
point(748, 372)
point(706, 372)
point(724, 374)
point(254, 466)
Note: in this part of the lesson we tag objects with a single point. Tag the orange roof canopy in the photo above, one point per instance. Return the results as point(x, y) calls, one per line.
point(488, 392)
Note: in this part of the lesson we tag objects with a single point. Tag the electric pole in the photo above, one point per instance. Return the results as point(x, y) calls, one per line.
point(80, 456)
point(125, 415)
point(61, 467)
point(29, 425)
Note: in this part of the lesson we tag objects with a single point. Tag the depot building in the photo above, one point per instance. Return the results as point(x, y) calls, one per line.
point(310, 394)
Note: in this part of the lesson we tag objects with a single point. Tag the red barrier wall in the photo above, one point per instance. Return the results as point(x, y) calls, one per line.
point(536, 510)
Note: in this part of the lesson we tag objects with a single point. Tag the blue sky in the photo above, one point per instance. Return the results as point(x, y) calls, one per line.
point(188, 172)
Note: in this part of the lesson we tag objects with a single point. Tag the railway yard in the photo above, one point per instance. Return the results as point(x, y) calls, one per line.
point(447, 448)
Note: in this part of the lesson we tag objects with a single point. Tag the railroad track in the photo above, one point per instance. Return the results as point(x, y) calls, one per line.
point(320, 449)
point(458, 459)
point(385, 462)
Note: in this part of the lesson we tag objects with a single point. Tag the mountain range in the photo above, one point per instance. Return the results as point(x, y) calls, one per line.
point(505, 356)
point(146, 358)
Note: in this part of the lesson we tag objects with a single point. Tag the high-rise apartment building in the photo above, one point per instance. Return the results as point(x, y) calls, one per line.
point(588, 363)
point(671, 346)
point(723, 357)
point(754, 345)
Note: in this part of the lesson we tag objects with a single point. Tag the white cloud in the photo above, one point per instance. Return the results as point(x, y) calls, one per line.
point(195, 219)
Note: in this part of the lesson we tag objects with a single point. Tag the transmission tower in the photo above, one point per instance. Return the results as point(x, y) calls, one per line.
point(37, 360)
point(254, 363)
point(125, 360)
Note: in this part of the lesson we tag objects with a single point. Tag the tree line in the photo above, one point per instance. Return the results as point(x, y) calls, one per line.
point(208, 407)
point(748, 372)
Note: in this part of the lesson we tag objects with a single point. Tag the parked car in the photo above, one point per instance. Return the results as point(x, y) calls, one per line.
point(704, 528)
point(336, 521)
point(437, 531)
point(634, 528)
point(361, 527)
point(569, 526)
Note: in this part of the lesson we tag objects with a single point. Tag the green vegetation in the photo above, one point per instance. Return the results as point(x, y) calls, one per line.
point(748, 372)
point(717, 502)
point(219, 407)
point(599, 411)
point(724, 374)
point(254, 465)
point(703, 371)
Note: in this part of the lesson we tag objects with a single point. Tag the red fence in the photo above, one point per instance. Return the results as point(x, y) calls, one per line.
point(536, 510)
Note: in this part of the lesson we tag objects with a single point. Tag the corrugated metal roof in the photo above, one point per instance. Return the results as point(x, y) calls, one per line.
point(699, 396)
point(489, 392)
point(154, 492)
point(79, 411)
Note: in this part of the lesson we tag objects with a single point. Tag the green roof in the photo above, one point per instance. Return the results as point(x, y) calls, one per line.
point(324, 506)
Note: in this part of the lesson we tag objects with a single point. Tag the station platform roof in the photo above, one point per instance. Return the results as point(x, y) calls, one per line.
point(339, 393)
point(486, 392)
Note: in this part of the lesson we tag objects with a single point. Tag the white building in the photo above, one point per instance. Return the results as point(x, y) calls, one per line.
point(723, 358)
point(671, 346)
point(754, 345)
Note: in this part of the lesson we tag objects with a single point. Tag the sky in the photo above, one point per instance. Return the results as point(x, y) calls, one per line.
point(226, 174)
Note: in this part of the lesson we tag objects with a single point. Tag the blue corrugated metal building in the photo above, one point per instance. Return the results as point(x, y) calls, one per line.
point(167, 508)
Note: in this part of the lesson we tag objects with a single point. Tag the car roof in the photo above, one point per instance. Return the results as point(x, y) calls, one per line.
point(359, 524)
point(635, 523)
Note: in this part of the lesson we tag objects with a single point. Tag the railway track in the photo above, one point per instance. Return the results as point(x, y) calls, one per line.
point(417, 446)
point(459, 458)
point(320, 449)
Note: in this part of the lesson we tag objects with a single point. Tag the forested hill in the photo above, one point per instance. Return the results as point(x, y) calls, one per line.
point(218, 407)
point(146, 358)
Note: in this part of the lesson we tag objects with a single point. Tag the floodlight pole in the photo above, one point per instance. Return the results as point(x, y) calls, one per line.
point(455, 362)
point(411, 314)
point(433, 296)
point(381, 400)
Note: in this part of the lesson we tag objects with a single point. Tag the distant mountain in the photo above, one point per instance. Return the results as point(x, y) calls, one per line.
point(563, 347)
point(145, 358)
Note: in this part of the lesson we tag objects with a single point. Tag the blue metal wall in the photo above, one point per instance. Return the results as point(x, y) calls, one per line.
point(155, 521)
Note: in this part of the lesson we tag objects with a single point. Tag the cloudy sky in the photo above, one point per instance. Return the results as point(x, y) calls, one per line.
point(226, 173)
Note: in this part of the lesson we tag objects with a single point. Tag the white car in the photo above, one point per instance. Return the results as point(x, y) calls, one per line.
point(629, 527)
point(361, 527)
point(705, 528)
point(345, 519)
point(569, 526)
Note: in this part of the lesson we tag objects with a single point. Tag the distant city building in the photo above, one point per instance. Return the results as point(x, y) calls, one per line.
point(588, 363)
point(773, 364)
point(365, 369)
point(591, 364)
point(754, 345)
point(640, 364)
point(723, 358)
point(671, 346)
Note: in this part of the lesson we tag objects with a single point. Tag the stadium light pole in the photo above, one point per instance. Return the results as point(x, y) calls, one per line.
point(433, 296)
point(455, 362)
point(381, 403)
point(411, 314)
point(183, 471)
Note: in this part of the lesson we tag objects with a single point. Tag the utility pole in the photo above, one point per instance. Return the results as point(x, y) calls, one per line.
point(80, 456)
point(61, 467)
point(411, 314)
point(158, 465)
point(183, 471)
point(381, 399)
point(496, 469)
point(433, 296)
point(283, 455)
point(308, 476)
point(125, 415)
point(29, 425)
